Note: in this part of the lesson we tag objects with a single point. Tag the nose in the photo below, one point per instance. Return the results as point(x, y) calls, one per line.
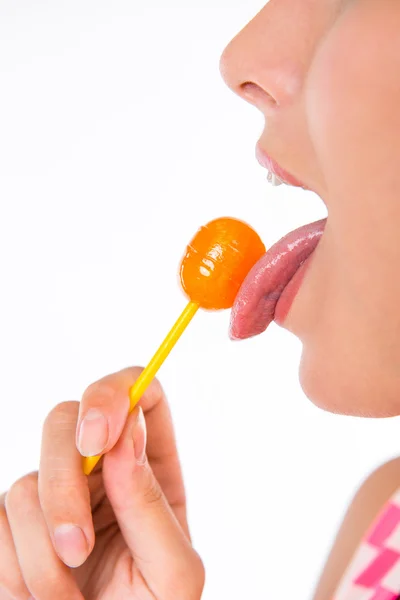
point(262, 64)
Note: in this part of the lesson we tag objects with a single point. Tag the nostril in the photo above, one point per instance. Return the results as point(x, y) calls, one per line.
point(257, 95)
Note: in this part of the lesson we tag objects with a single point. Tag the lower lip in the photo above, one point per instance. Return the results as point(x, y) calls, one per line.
point(268, 163)
point(290, 292)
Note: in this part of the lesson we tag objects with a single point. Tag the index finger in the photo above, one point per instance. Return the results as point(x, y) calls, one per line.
point(102, 416)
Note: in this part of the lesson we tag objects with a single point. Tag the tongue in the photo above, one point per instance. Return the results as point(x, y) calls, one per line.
point(254, 306)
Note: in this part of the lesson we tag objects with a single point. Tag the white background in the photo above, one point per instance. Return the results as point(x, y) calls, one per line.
point(118, 139)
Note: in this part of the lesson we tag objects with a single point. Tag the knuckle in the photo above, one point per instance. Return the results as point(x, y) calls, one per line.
point(187, 581)
point(155, 388)
point(23, 490)
point(105, 389)
point(135, 371)
point(61, 488)
point(91, 389)
point(152, 493)
point(61, 479)
point(101, 391)
point(158, 389)
point(94, 389)
point(196, 567)
point(65, 412)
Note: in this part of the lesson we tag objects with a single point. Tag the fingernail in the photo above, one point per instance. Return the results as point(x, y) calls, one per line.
point(139, 435)
point(93, 433)
point(71, 545)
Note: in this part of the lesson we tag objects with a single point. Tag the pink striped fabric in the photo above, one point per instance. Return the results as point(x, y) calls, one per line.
point(374, 573)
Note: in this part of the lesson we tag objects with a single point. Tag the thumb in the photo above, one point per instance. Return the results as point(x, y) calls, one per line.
point(161, 551)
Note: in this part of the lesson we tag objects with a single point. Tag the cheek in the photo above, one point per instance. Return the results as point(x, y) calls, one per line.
point(350, 303)
point(353, 92)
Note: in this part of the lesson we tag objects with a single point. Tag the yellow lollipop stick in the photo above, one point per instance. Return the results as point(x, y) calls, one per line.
point(147, 376)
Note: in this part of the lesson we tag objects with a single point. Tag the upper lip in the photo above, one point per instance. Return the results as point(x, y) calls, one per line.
point(271, 165)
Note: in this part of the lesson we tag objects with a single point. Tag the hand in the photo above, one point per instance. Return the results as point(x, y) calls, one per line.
point(120, 534)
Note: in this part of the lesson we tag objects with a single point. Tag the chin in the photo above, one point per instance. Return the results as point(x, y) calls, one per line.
point(335, 386)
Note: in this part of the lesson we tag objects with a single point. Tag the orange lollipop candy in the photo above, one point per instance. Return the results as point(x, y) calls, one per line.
point(217, 261)
point(213, 268)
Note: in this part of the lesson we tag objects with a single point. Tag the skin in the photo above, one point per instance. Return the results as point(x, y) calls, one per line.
point(326, 76)
point(132, 510)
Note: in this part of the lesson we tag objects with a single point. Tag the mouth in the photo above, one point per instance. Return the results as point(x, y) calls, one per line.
point(271, 286)
point(272, 166)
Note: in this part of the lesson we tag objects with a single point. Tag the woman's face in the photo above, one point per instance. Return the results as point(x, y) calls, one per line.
point(326, 75)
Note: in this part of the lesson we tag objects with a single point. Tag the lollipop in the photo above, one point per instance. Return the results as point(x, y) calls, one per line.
point(212, 270)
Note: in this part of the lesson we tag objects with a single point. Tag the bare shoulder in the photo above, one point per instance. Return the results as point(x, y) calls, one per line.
point(367, 503)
